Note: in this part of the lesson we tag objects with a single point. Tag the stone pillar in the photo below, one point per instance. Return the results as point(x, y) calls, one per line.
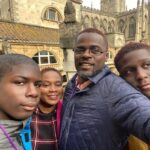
point(68, 31)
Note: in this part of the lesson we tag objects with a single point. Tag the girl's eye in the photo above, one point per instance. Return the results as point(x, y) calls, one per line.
point(58, 84)
point(45, 84)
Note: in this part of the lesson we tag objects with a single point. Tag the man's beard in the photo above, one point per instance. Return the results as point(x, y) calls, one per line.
point(86, 74)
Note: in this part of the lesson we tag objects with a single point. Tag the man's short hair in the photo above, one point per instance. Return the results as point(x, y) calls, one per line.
point(132, 46)
point(94, 30)
point(8, 61)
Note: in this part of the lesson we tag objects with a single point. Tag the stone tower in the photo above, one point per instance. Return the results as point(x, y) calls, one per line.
point(113, 6)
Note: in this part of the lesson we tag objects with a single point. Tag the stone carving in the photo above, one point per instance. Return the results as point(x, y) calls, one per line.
point(69, 12)
point(70, 27)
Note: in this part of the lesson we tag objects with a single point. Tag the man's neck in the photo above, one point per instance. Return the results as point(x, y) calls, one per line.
point(82, 83)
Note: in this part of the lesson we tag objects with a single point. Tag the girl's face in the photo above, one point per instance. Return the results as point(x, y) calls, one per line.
point(51, 89)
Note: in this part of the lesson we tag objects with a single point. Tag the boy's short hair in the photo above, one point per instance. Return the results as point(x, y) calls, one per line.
point(8, 61)
point(132, 46)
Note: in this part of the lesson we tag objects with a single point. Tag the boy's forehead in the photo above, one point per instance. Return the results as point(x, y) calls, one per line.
point(24, 69)
point(139, 55)
point(25, 66)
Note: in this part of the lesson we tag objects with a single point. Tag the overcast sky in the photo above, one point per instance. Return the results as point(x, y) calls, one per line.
point(96, 3)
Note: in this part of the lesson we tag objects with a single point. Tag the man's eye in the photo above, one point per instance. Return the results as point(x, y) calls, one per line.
point(79, 49)
point(96, 50)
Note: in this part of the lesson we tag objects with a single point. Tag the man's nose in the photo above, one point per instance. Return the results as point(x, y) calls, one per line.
point(87, 52)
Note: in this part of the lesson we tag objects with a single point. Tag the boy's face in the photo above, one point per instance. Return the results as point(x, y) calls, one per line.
point(19, 92)
point(135, 68)
point(51, 88)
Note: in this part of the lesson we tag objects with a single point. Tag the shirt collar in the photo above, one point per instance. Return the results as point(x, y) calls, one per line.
point(90, 80)
point(100, 75)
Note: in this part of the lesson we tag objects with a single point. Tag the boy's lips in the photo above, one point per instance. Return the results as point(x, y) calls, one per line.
point(29, 107)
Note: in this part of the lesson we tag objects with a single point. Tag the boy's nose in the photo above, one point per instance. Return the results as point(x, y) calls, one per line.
point(33, 91)
point(141, 74)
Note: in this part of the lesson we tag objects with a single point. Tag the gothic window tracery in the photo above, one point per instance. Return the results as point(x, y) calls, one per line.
point(121, 26)
point(111, 27)
point(96, 23)
point(132, 27)
point(86, 22)
point(104, 24)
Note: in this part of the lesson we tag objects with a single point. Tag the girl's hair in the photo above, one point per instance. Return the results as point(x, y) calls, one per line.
point(51, 69)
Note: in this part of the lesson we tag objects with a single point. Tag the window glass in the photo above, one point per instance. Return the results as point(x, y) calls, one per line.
point(44, 57)
point(52, 14)
point(43, 53)
point(52, 59)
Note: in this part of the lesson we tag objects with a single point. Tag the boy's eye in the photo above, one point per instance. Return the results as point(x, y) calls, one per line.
point(127, 72)
point(19, 83)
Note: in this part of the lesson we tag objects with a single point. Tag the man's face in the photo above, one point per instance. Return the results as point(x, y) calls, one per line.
point(19, 92)
point(51, 89)
point(90, 54)
point(135, 68)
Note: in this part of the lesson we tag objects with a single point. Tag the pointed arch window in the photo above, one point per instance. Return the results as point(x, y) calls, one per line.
point(86, 22)
point(121, 26)
point(44, 57)
point(132, 27)
point(96, 23)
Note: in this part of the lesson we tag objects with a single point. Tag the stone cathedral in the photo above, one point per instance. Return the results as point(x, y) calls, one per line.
point(45, 29)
